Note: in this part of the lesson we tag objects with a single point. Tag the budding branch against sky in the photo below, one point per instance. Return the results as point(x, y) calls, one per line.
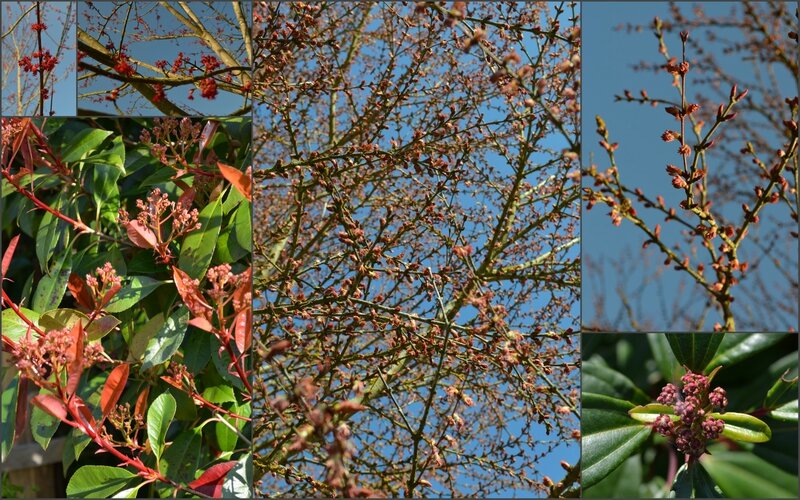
point(416, 225)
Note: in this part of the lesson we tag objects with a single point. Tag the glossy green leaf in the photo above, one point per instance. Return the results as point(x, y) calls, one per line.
point(610, 436)
point(786, 412)
point(227, 438)
point(167, 340)
point(738, 347)
point(692, 481)
point(98, 481)
point(744, 427)
point(600, 379)
point(745, 475)
point(159, 416)
point(242, 226)
point(694, 350)
point(14, 327)
point(181, 460)
point(82, 143)
point(198, 246)
point(133, 291)
point(238, 480)
point(785, 383)
point(51, 287)
point(649, 412)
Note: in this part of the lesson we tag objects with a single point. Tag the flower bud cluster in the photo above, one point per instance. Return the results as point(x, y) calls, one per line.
point(692, 404)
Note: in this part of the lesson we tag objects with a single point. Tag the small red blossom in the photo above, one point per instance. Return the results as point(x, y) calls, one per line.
point(159, 93)
point(208, 88)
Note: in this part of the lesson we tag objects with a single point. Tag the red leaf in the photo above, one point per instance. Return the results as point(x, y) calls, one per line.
point(22, 407)
point(242, 330)
point(9, 253)
point(87, 421)
point(202, 324)
point(115, 384)
point(239, 179)
point(75, 369)
point(141, 236)
point(187, 197)
point(210, 482)
point(141, 402)
point(52, 406)
point(190, 293)
point(109, 295)
point(77, 287)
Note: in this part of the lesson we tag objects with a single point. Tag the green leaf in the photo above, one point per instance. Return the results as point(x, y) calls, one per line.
point(238, 480)
point(786, 412)
point(600, 379)
point(649, 412)
point(136, 289)
point(197, 352)
point(610, 436)
point(142, 335)
point(51, 230)
point(219, 394)
point(98, 481)
point(7, 411)
point(624, 482)
point(744, 475)
point(43, 425)
point(14, 327)
point(75, 443)
point(226, 437)
point(167, 340)
point(692, 481)
point(738, 347)
point(159, 416)
point(198, 246)
point(668, 366)
point(694, 350)
point(786, 382)
point(744, 427)
point(82, 143)
point(52, 286)
point(58, 319)
point(181, 460)
point(113, 156)
point(242, 226)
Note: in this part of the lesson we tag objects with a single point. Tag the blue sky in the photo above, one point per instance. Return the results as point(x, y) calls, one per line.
point(22, 41)
point(608, 58)
point(164, 23)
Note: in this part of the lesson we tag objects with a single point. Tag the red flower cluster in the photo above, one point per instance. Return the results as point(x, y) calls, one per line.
point(38, 26)
point(47, 62)
point(210, 62)
point(159, 95)
point(179, 62)
point(208, 88)
point(123, 67)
